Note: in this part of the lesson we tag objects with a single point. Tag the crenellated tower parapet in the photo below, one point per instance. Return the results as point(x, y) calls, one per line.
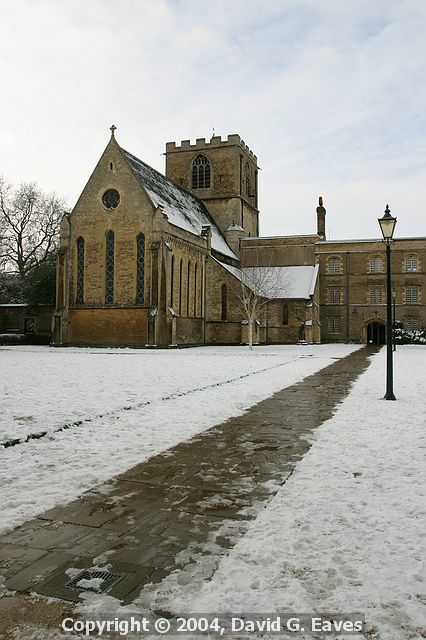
point(216, 141)
point(223, 174)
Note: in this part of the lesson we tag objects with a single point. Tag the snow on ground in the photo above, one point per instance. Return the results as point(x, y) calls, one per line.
point(132, 404)
point(346, 533)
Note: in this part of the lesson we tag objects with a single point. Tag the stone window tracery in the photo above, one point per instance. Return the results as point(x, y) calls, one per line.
point(109, 268)
point(201, 173)
point(79, 298)
point(140, 269)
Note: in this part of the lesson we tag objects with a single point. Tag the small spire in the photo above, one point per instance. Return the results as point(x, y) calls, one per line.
point(387, 210)
point(112, 129)
point(320, 201)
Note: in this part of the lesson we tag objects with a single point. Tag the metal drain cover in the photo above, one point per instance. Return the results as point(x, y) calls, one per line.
point(121, 581)
point(94, 580)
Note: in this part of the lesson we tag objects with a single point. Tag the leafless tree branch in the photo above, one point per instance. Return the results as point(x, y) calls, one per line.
point(29, 226)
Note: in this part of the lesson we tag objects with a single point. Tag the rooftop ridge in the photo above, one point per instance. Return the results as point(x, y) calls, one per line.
point(215, 141)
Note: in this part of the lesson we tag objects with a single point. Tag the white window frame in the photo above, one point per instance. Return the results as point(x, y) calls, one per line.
point(412, 295)
point(334, 325)
point(334, 296)
point(411, 321)
point(334, 260)
point(376, 264)
point(376, 295)
point(411, 263)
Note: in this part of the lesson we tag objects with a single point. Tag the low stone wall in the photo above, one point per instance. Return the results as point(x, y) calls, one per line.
point(24, 324)
point(223, 332)
point(114, 326)
point(189, 330)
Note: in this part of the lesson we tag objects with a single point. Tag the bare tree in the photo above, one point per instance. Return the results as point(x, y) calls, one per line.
point(254, 287)
point(29, 226)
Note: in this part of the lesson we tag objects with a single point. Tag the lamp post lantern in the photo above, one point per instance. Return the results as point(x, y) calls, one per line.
point(387, 225)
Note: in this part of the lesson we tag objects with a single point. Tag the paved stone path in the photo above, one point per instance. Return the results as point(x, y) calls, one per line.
point(198, 496)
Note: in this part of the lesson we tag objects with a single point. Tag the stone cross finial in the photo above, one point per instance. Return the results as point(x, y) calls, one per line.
point(112, 129)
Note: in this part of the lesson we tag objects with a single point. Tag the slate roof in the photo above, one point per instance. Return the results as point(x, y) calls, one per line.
point(295, 282)
point(182, 209)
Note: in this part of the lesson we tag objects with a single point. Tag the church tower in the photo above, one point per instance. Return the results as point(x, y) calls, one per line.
point(223, 174)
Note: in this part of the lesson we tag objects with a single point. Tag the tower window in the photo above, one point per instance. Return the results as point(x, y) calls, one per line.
point(248, 181)
point(140, 269)
point(201, 173)
point(109, 268)
point(79, 299)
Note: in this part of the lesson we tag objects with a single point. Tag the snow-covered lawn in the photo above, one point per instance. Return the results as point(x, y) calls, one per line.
point(347, 532)
point(123, 406)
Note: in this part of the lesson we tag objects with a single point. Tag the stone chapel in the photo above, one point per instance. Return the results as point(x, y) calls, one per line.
point(157, 260)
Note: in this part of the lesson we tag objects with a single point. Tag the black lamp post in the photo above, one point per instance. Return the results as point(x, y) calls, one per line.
point(394, 319)
point(387, 225)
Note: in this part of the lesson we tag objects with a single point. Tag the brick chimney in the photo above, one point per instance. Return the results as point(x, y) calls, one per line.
point(321, 219)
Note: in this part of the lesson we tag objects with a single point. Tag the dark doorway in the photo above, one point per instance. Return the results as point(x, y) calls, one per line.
point(376, 333)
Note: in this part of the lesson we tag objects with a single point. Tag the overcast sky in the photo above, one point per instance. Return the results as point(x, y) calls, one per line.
point(329, 94)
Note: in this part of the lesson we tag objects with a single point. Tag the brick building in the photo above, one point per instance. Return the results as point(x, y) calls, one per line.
point(148, 259)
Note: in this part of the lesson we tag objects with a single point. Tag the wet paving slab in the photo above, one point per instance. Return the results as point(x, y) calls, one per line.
point(196, 498)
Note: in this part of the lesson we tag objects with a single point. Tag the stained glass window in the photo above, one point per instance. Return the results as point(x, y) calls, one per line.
point(109, 268)
point(79, 298)
point(172, 280)
point(140, 269)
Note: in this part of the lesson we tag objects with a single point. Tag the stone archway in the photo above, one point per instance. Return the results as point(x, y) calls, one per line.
point(376, 333)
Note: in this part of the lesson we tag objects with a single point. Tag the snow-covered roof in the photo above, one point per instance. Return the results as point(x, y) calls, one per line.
point(234, 270)
point(182, 209)
point(287, 282)
point(278, 282)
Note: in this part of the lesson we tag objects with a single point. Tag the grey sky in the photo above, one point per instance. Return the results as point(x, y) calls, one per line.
point(330, 95)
